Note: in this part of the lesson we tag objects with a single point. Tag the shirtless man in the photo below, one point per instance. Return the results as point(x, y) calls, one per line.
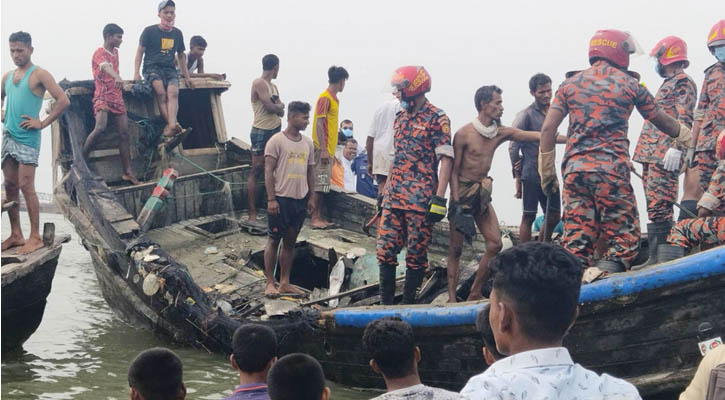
point(474, 146)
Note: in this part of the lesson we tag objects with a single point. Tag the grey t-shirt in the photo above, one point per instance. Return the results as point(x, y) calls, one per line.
point(419, 392)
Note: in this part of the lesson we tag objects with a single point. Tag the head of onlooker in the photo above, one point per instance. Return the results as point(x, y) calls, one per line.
point(254, 351)
point(540, 88)
point(156, 374)
point(336, 77)
point(270, 63)
point(535, 296)
point(21, 48)
point(112, 35)
point(297, 376)
point(197, 47)
point(489, 102)
point(167, 13)
point(350, 150)
point(390, 344)
point(298, 115)
point(490, 352)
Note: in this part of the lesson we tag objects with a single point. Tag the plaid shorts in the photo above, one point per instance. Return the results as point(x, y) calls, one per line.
point(168, 75)
point(23, 154)
point(260, 137)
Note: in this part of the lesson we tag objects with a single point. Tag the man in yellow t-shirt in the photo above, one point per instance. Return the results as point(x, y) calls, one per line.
point(324, 135)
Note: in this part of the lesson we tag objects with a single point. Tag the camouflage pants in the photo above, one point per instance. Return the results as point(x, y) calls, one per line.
point(600, 204)
point(690, 232)
point(660, 190)
point(400, 228)
point(706, 164)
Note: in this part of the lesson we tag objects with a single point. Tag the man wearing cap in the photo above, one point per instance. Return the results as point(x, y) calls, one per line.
point(598, 196)
point(710, 111)
point(158, 46)
point(660, 155)
point(414, 194)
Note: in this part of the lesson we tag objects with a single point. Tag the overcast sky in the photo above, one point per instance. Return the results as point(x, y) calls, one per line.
point(463, 44)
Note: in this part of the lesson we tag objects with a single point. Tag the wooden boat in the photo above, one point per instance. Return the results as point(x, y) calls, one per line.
point(195, 275)
point(26, 283)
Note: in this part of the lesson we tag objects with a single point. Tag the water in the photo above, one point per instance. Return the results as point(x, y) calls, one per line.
point(82, 349)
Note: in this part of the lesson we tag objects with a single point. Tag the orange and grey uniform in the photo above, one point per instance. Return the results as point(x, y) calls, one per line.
point(709, 230)
point(710, 113)
point(676, 97)
point(598, 197)
point(419, 140)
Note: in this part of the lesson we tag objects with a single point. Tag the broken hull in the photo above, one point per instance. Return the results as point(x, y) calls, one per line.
point(25, 287)
point(641, 326)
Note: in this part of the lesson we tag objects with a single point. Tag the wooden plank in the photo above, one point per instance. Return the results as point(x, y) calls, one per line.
point(204, 151)
point(104, 153)
point(221, 133)
point(112, 211)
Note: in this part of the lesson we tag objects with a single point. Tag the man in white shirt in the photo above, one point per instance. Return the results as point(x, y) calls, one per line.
point(390, 343)
point(534, 302)
point(379, 144)
point(349, 152)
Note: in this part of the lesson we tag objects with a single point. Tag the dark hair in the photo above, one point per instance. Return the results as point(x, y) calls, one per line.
point(253, 345)
point(538, 80)
point(269, 62)
point(110, 30)
point(296, 376)
point(298, 107)
point(23, 37)
point(350, 140)
point(543, 280)
point(484, 94)
point(483, 324)
point(336, 74)
point(197, 41)
point(391, 343)
point(156, 373)
point(345, 121)
point(169, 3)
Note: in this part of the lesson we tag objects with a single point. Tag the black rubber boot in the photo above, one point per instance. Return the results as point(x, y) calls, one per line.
point(691, 206)
point(656, 233)
point(610, 266)
point(387, 284)
point(413, 279)
point(668, 252)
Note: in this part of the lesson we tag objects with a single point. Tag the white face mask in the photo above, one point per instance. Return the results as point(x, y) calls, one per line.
point(488, 132)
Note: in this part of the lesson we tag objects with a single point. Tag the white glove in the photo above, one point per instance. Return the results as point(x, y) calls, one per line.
point(672, 159)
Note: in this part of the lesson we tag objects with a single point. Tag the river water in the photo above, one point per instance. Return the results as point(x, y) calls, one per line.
point(82, 349)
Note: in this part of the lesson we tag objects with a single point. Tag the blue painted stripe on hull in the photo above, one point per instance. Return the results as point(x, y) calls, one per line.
point(692, 268)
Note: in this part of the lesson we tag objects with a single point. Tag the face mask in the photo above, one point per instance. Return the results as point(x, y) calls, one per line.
point(720, 54)
point(347, 132)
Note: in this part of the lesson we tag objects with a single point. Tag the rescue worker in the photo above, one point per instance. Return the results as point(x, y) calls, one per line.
point(710, 112)
point(659, 154)
point(709, 228)
point(413, 199)
point(598, 195)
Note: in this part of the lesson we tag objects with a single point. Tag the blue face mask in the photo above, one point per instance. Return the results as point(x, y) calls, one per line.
point(347, 132)
point(720, 54)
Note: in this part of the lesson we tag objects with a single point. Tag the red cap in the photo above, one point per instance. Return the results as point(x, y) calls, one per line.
point(716, 37)
point(612, 45)
point(411, 80)
point(670, 50)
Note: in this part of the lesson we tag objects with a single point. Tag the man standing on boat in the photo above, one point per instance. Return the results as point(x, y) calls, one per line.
point(525, 154)
point(158, 46)
point(324, 134)
point(659, 154)
point(598, 195)
point(414, 194)
point(289, 175)
point(379, 143)
point(474, 146)
point(25, 88)
point(268, 112)
point(108, 98)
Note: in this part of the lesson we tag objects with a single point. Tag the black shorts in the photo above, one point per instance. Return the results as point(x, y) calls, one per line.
point(168, 75)
point(260, 137)
point(292, 214)
point(533, 196)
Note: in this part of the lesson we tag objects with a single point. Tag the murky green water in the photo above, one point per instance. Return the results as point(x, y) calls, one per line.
point(82, 349)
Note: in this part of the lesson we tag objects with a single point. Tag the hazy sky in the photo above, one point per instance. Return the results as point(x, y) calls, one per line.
point(463, 44)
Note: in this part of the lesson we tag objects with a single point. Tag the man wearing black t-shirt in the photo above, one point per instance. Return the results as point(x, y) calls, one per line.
point(158, 46)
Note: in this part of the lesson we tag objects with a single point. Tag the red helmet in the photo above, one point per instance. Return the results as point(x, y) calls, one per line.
point(717, 34)
point(720, 146)
point(411, 81)
point(612, 45)
point(669, 50)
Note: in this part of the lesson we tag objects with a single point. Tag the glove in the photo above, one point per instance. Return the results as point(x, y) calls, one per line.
point(466, 224)
point(436, 209)
point(671, 160)
point(685, 136)
point(690, 158)
point(547, 171)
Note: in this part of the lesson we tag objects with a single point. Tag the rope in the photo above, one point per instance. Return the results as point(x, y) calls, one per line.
point(242, 184)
